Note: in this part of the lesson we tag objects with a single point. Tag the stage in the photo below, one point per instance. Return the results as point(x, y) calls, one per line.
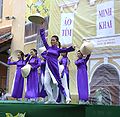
point(33, 109)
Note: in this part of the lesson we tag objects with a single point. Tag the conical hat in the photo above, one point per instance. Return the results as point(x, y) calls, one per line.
point(36, 18)
point(14, 55)
point(26, 70)
point(61, 68)
point(42, 49)
point(66, 44)
point(86, 47)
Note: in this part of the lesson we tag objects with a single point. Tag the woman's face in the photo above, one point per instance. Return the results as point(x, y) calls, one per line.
point(32, 53)
point(79, 55)
point(19, 56)
point(54, 41)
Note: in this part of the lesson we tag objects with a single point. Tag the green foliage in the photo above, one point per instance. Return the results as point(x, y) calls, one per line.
point(18, 115)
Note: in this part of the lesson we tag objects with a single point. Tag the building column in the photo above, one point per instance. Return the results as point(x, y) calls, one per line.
point(18, 27)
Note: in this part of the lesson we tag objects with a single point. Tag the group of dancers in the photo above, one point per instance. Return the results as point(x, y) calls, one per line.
point(52, 82)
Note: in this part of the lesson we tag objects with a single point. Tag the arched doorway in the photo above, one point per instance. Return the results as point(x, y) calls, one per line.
point(106, 76)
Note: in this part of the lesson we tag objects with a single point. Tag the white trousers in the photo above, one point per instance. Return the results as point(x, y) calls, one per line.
point(51, 89)
point(65, 85)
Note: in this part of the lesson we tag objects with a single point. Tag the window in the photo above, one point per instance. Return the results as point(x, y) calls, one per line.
point(1, 8)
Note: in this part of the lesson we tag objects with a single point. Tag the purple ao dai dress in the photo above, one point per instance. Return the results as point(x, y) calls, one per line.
point(32, 90)
point(82, 78)
point(42, 92)
point(18, 83)
point(53, 52)
point(65, 61)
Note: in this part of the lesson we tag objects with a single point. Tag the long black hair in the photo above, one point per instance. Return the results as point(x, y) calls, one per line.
point(22, 54)
point(57, 39)
point(34, 51)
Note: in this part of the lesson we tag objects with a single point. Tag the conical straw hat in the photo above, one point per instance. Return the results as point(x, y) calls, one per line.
point(14, 55)
point(42, 49)
point(26, 70)
point(61, 68)
point(86, 48)
point(36, 18)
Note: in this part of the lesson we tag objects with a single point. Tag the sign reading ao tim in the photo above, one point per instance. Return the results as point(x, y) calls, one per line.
point(66, 31)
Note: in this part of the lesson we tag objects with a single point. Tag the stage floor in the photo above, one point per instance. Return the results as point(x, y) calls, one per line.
point(33, 109)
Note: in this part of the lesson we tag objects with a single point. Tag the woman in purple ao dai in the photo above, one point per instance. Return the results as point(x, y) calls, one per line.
point(65, 76)
point(32, 90)
point(82, 77)
point(17, 89)
point(42, 92)
point(52, 69)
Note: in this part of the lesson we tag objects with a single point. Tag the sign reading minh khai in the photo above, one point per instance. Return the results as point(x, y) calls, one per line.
point(105, 19)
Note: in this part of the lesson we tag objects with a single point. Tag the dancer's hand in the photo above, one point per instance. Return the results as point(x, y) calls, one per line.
point(10, 57)
point(74, 46)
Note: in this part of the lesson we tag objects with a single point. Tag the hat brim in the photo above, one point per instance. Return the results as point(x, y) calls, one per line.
point(26, 70)
point(36, 19)
point(14, 55)
point(42, 49)
point(61, 68)
point(87, 47)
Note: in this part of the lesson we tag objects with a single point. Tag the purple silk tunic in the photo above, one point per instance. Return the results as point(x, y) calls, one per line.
point(42, 69)
point(42, 92)
point(53, 52)
point(43, 63)
point(19, 80)
point(65, 61)
point(33, 78)
point(82, 78)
